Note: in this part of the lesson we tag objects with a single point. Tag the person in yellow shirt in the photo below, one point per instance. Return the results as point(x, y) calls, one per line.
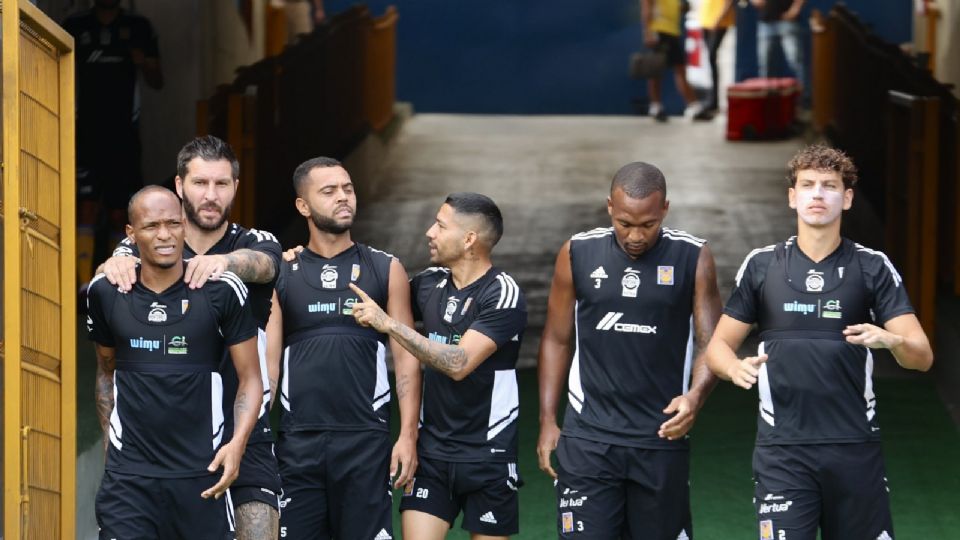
point(716, 16)
point(662, 30)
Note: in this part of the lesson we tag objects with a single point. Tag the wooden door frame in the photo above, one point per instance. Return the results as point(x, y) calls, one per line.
point(12, 497)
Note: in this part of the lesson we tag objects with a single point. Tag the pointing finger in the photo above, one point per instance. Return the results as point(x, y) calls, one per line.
point(363, 296)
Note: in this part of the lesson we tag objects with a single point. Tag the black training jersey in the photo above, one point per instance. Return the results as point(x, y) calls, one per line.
point(815, 387)
point(634, 336)
point(474, 419)
point(107, 95)
point(168, 418)
point(333, 371)
point(260, 299)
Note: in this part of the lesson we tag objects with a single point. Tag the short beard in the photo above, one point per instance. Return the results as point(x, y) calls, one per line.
point(328, 225)
point(193, 216)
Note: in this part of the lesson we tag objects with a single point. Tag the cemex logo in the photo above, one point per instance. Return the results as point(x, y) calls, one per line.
point(611, 321)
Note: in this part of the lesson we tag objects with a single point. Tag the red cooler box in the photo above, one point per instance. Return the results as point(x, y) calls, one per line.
point(761, 108)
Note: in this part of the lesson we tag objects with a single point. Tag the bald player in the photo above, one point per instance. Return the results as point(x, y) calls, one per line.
point(631, 307)
point(159, 391)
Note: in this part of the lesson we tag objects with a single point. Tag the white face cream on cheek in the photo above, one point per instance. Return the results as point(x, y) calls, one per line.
point(808, 199)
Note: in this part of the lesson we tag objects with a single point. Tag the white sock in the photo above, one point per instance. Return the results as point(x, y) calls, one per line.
point(655, 108)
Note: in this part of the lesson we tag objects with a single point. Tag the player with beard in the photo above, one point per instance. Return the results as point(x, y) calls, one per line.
point(207, 179)
point(159, 393)
point(334, 442)
point(822, 304)
point(474, 315)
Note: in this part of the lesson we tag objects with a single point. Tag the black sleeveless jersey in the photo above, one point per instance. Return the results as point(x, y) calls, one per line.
point(260, 300)
point(634, 336)
point(815, 387)
point(168, 414)
point(333, 371)
point(474, 419)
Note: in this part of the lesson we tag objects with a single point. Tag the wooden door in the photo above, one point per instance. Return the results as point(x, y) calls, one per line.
point(39, 292)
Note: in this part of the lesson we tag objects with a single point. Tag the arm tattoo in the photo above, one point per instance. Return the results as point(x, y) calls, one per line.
point(403, 386)
point(448, 359)
point(257, 520)
point(251, 266)
point(104, 391)
point(240, 406)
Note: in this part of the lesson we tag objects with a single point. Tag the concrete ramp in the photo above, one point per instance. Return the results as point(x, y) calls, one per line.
point(550, 175)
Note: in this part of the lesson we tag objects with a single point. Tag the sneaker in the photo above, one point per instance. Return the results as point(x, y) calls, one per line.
point(692, 110)
point(658, 113)
point(704, 115)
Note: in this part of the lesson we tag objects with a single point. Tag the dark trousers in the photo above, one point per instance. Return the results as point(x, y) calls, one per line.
point(713, 37)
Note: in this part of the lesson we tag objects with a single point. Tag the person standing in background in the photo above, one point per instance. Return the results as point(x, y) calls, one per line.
point(780, 21)
point(663, 31)
point(114, 49)
point(716, 16)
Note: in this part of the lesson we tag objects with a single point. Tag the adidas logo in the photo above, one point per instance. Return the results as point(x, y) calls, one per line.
point(383, 535)
point(488, 518)
point(884, 536)
point(683, 535)
point(599, 273)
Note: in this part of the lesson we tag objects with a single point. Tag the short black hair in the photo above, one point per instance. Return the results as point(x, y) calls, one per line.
point(475, 204)
point(207, 148)
point(639, 180)
point(302, 172)
point(143, 191)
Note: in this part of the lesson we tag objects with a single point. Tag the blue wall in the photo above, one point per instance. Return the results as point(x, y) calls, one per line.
point(548, 57)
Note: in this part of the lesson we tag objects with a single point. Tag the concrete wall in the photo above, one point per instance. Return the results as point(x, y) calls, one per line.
point(195, 58)
point(946, 66)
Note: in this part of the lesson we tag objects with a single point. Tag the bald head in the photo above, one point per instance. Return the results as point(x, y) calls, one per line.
point(639, 180)
point(149, 196)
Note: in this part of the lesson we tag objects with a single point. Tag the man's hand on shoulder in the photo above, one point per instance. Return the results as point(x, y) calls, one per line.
point(202, 268)
point(121, 271)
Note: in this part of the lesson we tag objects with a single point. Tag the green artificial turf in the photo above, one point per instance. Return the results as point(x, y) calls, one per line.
point(921, 447)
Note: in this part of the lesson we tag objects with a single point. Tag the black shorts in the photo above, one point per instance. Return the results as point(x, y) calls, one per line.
point(613, 492)
point(137, 507)
point(673, 47)
point(259, 478)
point(336, 484)
point(839, 488)
point(485, 492)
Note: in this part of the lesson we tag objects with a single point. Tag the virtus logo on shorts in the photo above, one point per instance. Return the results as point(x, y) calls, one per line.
point(774, 508)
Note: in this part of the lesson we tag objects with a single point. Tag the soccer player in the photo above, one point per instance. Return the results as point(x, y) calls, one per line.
point(115, 49)
point(822, 304)
point(474, 315)
point(634, 306)
point(159, 393)
point(207, 179)
point(334, 444)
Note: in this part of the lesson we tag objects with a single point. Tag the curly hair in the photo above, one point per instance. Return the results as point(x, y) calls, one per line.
point(820, 157)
